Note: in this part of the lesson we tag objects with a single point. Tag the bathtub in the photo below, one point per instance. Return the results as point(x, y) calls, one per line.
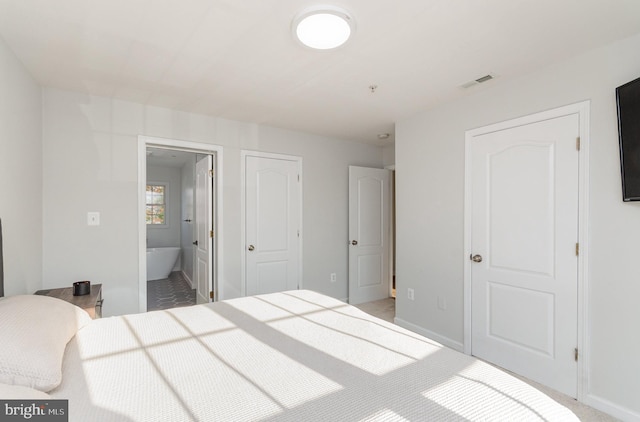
point(160, 262)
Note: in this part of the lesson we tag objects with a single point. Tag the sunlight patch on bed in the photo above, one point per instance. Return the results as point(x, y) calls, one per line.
point(91, 344)
point(164, 373)
point(128, 333)
point(352, 339)
point(135, 376)
point(221, 380)
point(264, 311)
point(481, 391)
point(355, 349)
point(384, 415)
point(286, 380)
point(201, 320)
point(468, 400)
point(351, 321)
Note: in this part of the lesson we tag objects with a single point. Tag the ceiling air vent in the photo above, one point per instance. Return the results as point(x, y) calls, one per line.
point(480, 80)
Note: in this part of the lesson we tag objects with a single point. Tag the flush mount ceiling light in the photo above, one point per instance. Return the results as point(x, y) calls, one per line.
point(323, 27)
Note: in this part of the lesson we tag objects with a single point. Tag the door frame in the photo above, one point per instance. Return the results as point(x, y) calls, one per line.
point(582, 109)
point(243, 217)
point(392, 225)
point(217, 242)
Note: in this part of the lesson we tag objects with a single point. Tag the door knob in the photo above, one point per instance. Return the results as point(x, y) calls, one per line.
point(476, 258)
point(195, 243)
point(251, 247)
point(354, 242)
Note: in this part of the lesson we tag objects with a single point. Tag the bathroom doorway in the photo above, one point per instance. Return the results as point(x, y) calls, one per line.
point(178, 188)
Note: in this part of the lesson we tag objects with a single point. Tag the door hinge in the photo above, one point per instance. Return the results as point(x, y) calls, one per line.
point(211, 173)
point(577, 249)
point(575, 354)
point(211, 233)
point(211, 296)
point(578, 143)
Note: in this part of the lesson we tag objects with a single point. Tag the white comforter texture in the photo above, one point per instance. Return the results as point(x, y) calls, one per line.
point(290, 356)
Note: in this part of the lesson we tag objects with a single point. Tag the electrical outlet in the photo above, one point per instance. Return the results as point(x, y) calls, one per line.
point(334, 278)
point(410, 294)
point(442, 303)
point(93, 218)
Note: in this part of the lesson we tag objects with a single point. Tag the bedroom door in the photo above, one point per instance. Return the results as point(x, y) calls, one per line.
point(524, 234)
point(273, 200)
point(369, 234)
point(204, 229)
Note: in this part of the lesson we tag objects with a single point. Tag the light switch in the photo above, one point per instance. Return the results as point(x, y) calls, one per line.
point(93, 218)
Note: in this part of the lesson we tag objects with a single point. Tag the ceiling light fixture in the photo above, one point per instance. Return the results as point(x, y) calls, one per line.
point(323, 27)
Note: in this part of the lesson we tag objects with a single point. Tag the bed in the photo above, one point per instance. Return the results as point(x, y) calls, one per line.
point(288, 356)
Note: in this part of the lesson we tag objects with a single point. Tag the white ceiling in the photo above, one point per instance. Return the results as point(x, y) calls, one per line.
point(236, 58)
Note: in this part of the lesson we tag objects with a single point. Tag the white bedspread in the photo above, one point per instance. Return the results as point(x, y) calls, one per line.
point(294, 356)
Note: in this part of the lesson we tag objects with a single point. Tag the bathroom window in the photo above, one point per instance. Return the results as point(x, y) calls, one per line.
point(156, 204)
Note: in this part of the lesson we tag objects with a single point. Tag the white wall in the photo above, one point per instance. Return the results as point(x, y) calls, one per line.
point(430, 192)
point(389, 155)
point(90, 164)
point(20, 175)
point(168, 234)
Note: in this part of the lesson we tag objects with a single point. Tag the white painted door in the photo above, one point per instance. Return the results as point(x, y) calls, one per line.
point(524, 273)
point(273, 217)
point(204, 229)
point(369, 234)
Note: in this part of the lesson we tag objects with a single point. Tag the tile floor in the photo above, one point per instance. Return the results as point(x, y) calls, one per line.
point(386, 309)
point(172, 292)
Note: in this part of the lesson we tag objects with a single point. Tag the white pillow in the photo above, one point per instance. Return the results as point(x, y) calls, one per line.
point(18, 392)
point(34, 331)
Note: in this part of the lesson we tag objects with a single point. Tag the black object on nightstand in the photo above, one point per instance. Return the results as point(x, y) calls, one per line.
point(81, 288)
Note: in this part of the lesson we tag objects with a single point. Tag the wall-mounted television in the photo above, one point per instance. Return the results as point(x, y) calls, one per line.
point(628, 101)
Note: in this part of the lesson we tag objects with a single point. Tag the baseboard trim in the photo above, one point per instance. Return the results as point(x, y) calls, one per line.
point(446, 341)
point(611, 408)
point(188, 279)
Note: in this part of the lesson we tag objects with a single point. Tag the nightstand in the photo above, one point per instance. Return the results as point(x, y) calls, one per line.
point(91, 303)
